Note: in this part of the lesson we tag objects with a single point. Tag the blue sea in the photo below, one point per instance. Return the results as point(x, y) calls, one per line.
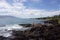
point(14, 20)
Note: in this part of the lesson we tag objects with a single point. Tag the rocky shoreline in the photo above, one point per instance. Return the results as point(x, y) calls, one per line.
point(37, 32)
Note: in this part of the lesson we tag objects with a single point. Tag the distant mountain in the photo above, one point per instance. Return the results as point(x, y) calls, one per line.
point(6, 19)
point(4, 16)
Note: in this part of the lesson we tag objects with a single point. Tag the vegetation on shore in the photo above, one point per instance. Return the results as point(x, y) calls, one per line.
point(51, 18)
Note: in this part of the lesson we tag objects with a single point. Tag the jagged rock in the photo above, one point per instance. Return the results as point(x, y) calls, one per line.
point(39, 33)
point(4, 38)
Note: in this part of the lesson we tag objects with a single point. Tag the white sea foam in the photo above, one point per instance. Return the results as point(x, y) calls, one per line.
point(6, 31)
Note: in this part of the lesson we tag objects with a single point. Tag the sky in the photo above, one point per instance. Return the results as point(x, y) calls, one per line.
point(30, 8)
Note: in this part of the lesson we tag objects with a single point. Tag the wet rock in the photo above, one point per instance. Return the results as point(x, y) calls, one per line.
point(4, 38)
point(36, 25)
point(25, 25)
point(38, 33)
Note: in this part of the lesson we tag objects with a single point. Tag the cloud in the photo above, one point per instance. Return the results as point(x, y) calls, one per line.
point(19, 10)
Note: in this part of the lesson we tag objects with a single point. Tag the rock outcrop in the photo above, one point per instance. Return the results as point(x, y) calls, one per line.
point(39, 33)
point(49, 31)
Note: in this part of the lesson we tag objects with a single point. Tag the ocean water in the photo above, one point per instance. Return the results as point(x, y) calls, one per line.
point(6, 31)
point(9, 23)
point(4, 20)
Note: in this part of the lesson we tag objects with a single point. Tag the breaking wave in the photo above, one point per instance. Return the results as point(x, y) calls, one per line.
point(6, 31)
